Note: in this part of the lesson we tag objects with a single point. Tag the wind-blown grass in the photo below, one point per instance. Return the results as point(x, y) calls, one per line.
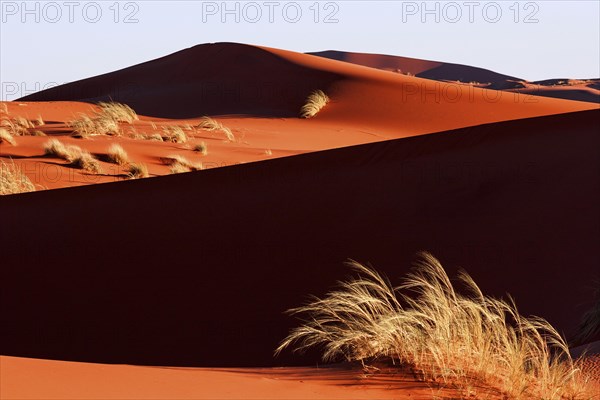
point(210, 124)
point(118, 112)
point(104, 122)
point(6, 137)
point(86, 162)
point(18, 126)
point(13, 180)
point(174, 134)
point(56, 148)
point(444, 335)
point(86, 126)
point(180, 164)
point(314, 103)
point(137, 171)
point(74, 154)
point(117, 155)
point(201, 148)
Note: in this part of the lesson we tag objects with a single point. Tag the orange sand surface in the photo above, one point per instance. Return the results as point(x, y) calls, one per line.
point(24, 378)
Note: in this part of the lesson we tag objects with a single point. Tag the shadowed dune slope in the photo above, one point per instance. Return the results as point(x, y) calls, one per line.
point(198, 268)
point(237, 79)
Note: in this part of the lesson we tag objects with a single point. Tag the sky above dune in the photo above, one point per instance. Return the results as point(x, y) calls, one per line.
point(43, 44)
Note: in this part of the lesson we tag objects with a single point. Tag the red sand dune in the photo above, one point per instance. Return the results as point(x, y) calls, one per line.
point(258, 92)
point(197, 269)
point(230, 79)
point(422, 68)
point(583, 91)
point(567, 89)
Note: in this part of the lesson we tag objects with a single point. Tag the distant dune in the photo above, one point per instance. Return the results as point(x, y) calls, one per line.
point(422, 68)
point(580, 90)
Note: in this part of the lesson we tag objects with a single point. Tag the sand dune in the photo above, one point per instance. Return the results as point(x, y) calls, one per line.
point(234, 79)
point(257, 92)
point(422, 68)
point(196, 269)
point(580, 90)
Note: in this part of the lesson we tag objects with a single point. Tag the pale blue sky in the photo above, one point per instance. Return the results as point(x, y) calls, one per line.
point(544, 39)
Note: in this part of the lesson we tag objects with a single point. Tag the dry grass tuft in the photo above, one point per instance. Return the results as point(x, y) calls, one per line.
point(39, 121)
point(38, 133)
point(210, 124)
point(86, 162)
point(118, 112)
point(24, 122)
point(104, 122)
point(85, 126)
point(201, 148)
point(155, 136)
point(56, 148)
point(18, 126)
point(6, 137)
point(13, 180)
point(75, 155)
point(116, 154)
point(445, 336)
point(137, 171)
point(314, 103)
point(180, 164)
point(174, 134)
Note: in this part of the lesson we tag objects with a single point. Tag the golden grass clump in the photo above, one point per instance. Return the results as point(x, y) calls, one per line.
point(6, 137)
point(314, 103)
point(56, 148)
point(210, 124)
point(155, 136)
point(85, 126)
point(137, 171)
point(201, 148)
point(117, 155)
point(118, 112)
point(18, 126)
point(180, 164)
point(465, 340)
point(174, 134)
point(74, 154)
point(13, 180)
point(86, 162)
point(104, 122)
